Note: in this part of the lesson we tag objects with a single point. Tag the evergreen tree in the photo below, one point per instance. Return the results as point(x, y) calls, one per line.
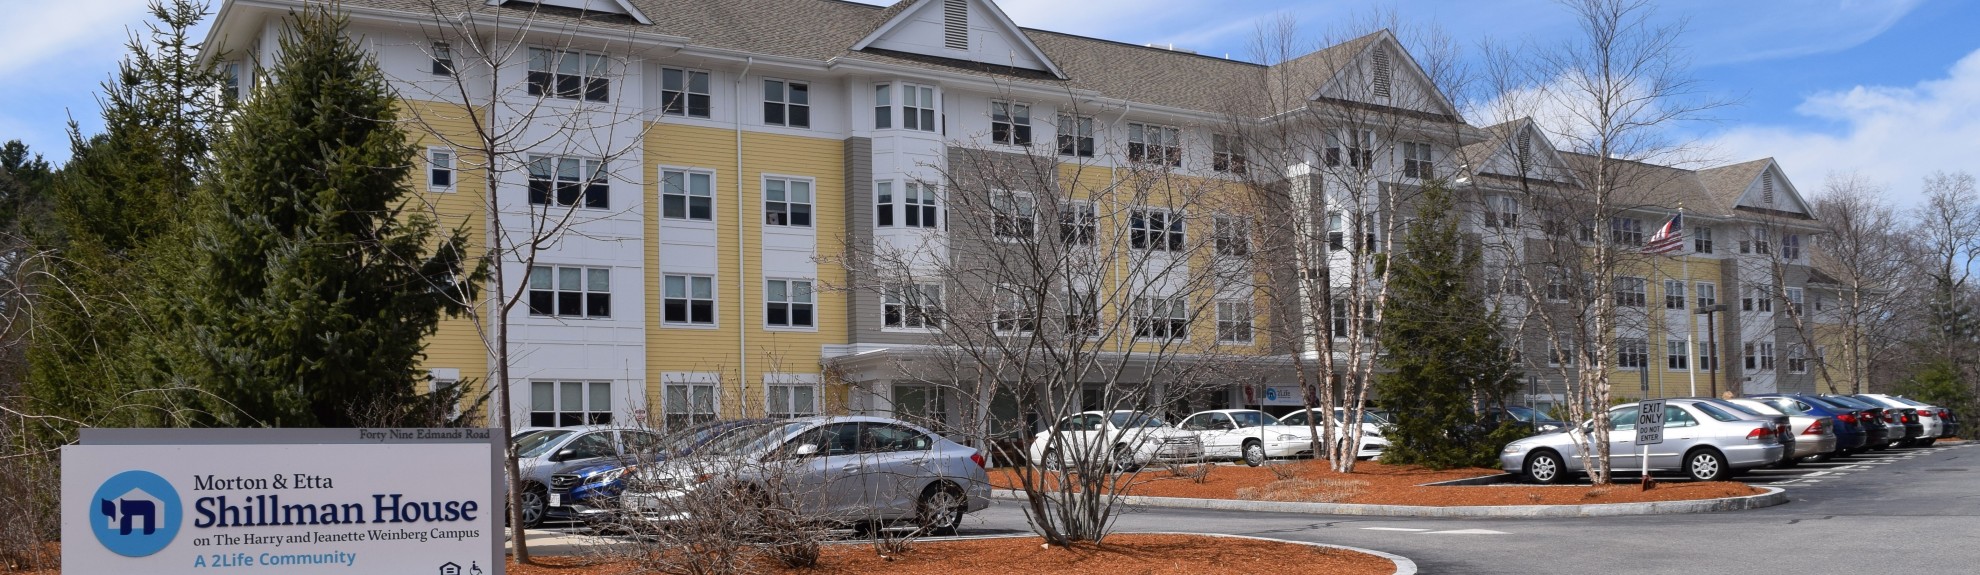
point(321, 286)
point(1445, 357)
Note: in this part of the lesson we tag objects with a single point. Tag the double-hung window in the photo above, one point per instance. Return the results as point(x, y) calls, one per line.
point(1082, 313)
point(1152, 229)
point(1336, 235)
point(443, 59)
point(883, 204)
point(1161, 318)
point(883, 107)
point(1755, 242)
point(1233, 235)
point(1227, 154)
point(1010, 123)
point(1559, 353)
point(687, 196)
point(440, 169)
point(568, 74)
point(1708, 357)
point(1361, 148)
point(1075, 135)
point(1014, 215)
point(570, 403)
point(1797, 359)
point(1795, 296)
point(1760, 298)
point(684, 93)
point(687, 300)
point(1417, 160)
point(687, 404)
point(1560, 284)
point(1708, 294)
point(1632, 353)
point(1629, 292)
point(1701, 239)
point(920, 210)
point(1677, 355)
point(918, 108)
point(1626, 231)
point(1674, 294)
point(1153, 143)
point(568, 181)
point(570, 291)
point(1759, 355)
point(1014, 313)
point(1234, 321)
point(792, 399)
point(1791, 247)
point(1501, 211)
point(1077, 223)
point(787, 103)
point(790, 303)
point(912, 306)
point(787, 202)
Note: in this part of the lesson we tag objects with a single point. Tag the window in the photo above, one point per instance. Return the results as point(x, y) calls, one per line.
point(1077, 224)
point(1234, 321)
point(1500, 279)
point(570, 292)
point(1501, 211)
point(920, 404)
point(1014, 314)
point(1075, 135)
point(1820, 303)
point(1361, 148)
point(230, 81)
point(883, 204)
point(1152, 143)
point(787, 103)
point(443, 59)
point(787, 202)
point(1632, 354)
point(1014, 215)
point(1082, 313)
point(1336, 237)
point(1759, 356)
point(883, 107)
point(1629, 292)
point(1417, 160)
point(1233, 236)
point(687, 404)
point(916, 306)
point(917, 108)
point(1626, 231)
point(1797, 359)
point(570, 181)
point(1673, 294)
point(1157, 230)
point(1161, 318)
point(1756, 242)
point(1794, 298)
point(684, 93)
point(1560, 284)
point(919, 199)
point(789, 304)
point(1708, 358)
point(1759, 298)
point(1369, 241)
point(1708, 295)
point(687, 196)
point(1701, 240)
point(1010, 123)
point(440, 168)
point(1560, 353)
point(1342, 320)
point(792, 400)
point(570, 75)
point(1791, 247)
point(1677, 355)
point(687, 300)
point(569, 403)
point(1226, 154)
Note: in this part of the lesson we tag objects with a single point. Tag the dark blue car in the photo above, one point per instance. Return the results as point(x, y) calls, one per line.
point(1850, 433)
point(590, 493)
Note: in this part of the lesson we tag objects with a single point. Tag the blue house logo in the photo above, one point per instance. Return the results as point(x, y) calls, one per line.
point(135, 513)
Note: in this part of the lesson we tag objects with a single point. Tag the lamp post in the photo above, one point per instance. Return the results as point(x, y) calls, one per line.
point(1712, 341)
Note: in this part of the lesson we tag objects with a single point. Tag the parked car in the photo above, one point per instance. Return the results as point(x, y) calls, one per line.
point(1246, 434)
point(1948, 425)
point(845, 470)
point(1702, 439)
point(1525, 416)
point(1848, 427)
point(543, 452)
point(1373, 443)
point(1919, 429)
point(1893, 425)
point(1124, 440)
point(1783, 427)
point(591, 494)
point(1814, 435)
point(1928, 416)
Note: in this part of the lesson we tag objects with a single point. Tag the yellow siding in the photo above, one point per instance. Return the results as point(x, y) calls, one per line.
point(457, 344)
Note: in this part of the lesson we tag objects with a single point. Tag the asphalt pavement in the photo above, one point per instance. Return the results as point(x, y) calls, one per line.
point(1897, 511)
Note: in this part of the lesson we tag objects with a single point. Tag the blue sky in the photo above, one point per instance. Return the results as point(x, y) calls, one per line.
point(1890, 88)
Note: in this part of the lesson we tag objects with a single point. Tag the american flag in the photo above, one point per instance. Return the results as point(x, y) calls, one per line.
point(1669, 238)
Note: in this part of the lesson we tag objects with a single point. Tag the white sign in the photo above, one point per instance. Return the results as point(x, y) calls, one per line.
point(1650, 422)
point(204, 505)
point(1281, 395)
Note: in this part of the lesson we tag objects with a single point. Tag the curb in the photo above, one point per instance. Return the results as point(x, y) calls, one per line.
point(1404, 566)
point(1773, 496)
point(1469, 481)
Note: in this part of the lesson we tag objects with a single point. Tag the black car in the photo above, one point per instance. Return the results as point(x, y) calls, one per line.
point(1524, 416)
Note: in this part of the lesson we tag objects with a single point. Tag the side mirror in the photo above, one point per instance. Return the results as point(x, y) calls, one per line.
point(1226, 425)
point(806, 450)
point(564, 455)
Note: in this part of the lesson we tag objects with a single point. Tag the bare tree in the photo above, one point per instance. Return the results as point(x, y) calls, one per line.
point(1947, 230)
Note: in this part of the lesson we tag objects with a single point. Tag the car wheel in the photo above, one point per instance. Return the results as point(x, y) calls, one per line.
point(1254, 453)
point(1545, 467)
point(1124, 459)
point(1050, 459)
point(535, 504)
point(1706, 465)
point(940, 511)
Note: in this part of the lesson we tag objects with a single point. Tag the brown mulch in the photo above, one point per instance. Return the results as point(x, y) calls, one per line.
point(1376, 483)
point(1122, 553)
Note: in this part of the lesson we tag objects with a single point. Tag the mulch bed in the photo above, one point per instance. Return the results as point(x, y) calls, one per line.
point(1376, 483)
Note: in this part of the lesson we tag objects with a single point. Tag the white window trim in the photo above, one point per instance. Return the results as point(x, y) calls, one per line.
point(1011, 105)
point(714, 290)
point(763, 195)
point(1169, 218)
point(811, 380)
point(767, 326)
point(453, 169)
point(584, 289)
point(1251, 323)
point(714, 200)
point(603, 170)
point(557, 383)
point(1013, 195)
point(613, 82)
point(660, 103)
point(941, 306)
point(1008, 293)
point(689, 378)
point(761, 101)
point(1138, 312)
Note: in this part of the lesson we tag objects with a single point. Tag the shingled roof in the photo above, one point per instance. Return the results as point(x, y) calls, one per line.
point(1728, 183)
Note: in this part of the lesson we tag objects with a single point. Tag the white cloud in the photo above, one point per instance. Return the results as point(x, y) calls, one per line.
point(1893, 135)
point(35, 32)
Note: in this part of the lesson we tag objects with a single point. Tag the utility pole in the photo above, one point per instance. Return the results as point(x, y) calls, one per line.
point(1712, 341)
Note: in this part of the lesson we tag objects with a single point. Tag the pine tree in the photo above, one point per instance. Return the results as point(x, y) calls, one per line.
point(320, 284)
point(1445, 357)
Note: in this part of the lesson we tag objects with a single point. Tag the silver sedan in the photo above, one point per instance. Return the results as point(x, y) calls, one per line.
point(1704, 441)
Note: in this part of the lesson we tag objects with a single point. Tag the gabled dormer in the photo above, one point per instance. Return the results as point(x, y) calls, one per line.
point(968, 30)
point(1770, 192)
point(1375, 69)
point(1518, 149)
point(621, 7)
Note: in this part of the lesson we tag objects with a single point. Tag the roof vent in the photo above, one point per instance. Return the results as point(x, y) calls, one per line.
point(1383, 72)
point(1767, 188)
point(1172, 48)
point(1525, 149)
point(955, 24)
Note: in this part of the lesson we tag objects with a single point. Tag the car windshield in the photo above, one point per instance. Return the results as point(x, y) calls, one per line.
point(1911, 401)
point(1253, 418)
point(1712, 410)
point(1127, 419)
point(1524, 414)
point(1848, 402)
point(1823, 403)
point(1366, 417)
point(750, 438)
point(535, 444)
point(1737, 407)
point(1784, 405)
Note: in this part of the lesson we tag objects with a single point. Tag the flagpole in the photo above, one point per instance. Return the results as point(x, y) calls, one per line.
point(1691, 319)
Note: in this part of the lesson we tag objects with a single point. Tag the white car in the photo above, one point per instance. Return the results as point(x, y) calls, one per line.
point(1123, 440)
point(1372, 441)
point(1247, 434)
point(1928, 415)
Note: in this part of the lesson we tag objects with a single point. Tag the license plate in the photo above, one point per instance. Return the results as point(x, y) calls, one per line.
point(556, 500)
